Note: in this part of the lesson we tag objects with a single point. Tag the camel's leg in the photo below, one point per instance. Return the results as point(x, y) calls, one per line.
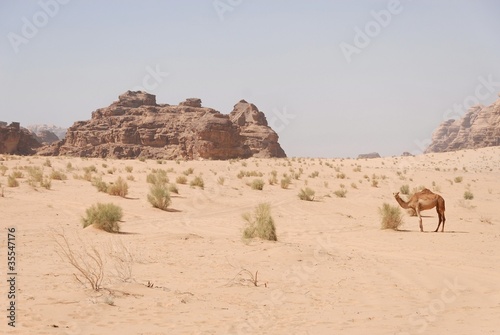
point(417, 210)
point(440, 219)
point(444, 219)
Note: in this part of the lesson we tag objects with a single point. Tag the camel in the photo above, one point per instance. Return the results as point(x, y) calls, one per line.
point(422, 201)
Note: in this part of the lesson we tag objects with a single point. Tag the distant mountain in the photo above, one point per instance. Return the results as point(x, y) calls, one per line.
point(478, 128)
point(17, 140)
point(41, 129)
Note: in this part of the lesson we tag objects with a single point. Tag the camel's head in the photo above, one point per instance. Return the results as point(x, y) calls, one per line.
point(396, 195)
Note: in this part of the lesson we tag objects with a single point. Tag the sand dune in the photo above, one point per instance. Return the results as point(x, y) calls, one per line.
point(332, 270)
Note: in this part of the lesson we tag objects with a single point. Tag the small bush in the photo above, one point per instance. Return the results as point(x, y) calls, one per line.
point(221, 180)
point(354, 185)
point(261, 224)
point(306, 194)
point(374, 183)
point(46, 183)
point(159, 196)
point(90, 169)
point(103, 216)
point(257, 184)
point(405, 189)
point(458, 179)
point(17, 174)
point(129, 168)
point(341, 193)
point(35, 175)
point(12, 182)
point(468, 195)
point(119, 187)
point(391, 217)
point(3, 169)
point(58, 175)
point(47, 163)
point(197, 181)
point(181, 180)
point(285, 182)
point(157, 177)
point(188, 171)
point(100, 185)
point(173, 188)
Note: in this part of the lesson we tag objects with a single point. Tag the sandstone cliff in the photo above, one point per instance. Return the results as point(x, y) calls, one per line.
point(478, 128)
point(136, 126)
point(17, 140)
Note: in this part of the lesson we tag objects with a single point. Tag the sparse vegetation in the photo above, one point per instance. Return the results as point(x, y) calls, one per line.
point(197, 182)
point(159, 196)
point(307, 194)
point(285, 182)
point(405, 189)
point(119, 187)
point(458, 179)
point(391, 217)
point(129, 168)
point(58, 175)
point(157, 177)
point(260, 224)
point(340, 193)
point(100, 184)
point(257, 184)
point(12, 181)
point(103, 216)
point(181, 180)
point(468, 195)
point(221, 180)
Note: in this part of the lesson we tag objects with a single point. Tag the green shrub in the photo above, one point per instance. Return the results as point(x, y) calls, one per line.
point(58, 175)
point(181, 180)
point(261, 224)
point(157, 177)
point(159, 196)
point(306, 194)
point(197, 181)
point(103, 216)
point(257, 184)
point(100, 185)
point(35, 175)
point(285, 182)
point(468, 195)
point(119, 187)
point(341, 193)
point(391, 217)
point(405, 189)
point(12, 181)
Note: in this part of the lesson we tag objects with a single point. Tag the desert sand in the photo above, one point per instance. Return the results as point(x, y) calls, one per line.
point(333, 269)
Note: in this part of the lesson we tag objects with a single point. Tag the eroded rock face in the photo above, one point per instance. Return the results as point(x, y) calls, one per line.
point(136, 126)
point(478, 128)
point(369, 155)
point(17, 140)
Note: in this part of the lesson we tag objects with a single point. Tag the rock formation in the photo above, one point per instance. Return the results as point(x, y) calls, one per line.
point(43, 132)
point(136, 126)
point(478, 128)
point(17, 140)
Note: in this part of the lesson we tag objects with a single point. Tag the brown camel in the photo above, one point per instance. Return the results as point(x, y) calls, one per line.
point(422, 201)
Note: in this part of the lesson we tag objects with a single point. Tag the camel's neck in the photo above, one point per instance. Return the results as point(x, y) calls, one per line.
point(401, 202)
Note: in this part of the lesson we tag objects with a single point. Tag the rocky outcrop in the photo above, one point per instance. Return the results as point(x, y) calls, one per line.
point(369, 155)
point(259, 137)
point(478, 128)
point(17, 140)
point(136, 126)
point(46, 137)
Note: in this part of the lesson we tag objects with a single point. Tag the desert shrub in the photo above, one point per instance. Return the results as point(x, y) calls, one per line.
point(181, 180)
point(90, 169)
point(129, 168)
point(306, 194)
point(103, 216)
point(35, 175)
point(341, 175)
point(69, 167)
point(341, 193)
point(374, 182)
point(100, 185)
point(119, 187)
point(285, 182)
point(157, 177)
point(260, 224)
point(458, 179)
point(12, 182)
point(197, 181)
point(159, 196)
point(173, 188)
point(46, 183)
point(468, 195)
point(188, 171)
point(405, 189)
point(257, 184)
point(17, 174)
point(47, 163)
point(314, 174)
point(58, 175)
point(391, 217)
point(131, 177)
point(221, 180)
point(3, 169)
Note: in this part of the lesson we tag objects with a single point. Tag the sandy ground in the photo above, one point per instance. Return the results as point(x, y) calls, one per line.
point(332, 270)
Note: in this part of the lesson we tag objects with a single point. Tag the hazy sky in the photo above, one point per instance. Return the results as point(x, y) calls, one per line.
point(334, 78)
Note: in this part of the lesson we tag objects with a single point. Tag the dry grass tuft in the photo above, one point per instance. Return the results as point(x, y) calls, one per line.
point(103, 216)
point(391, 217)
point(261, 224)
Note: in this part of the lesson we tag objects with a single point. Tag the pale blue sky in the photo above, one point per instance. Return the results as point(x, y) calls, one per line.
point(283, 56)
